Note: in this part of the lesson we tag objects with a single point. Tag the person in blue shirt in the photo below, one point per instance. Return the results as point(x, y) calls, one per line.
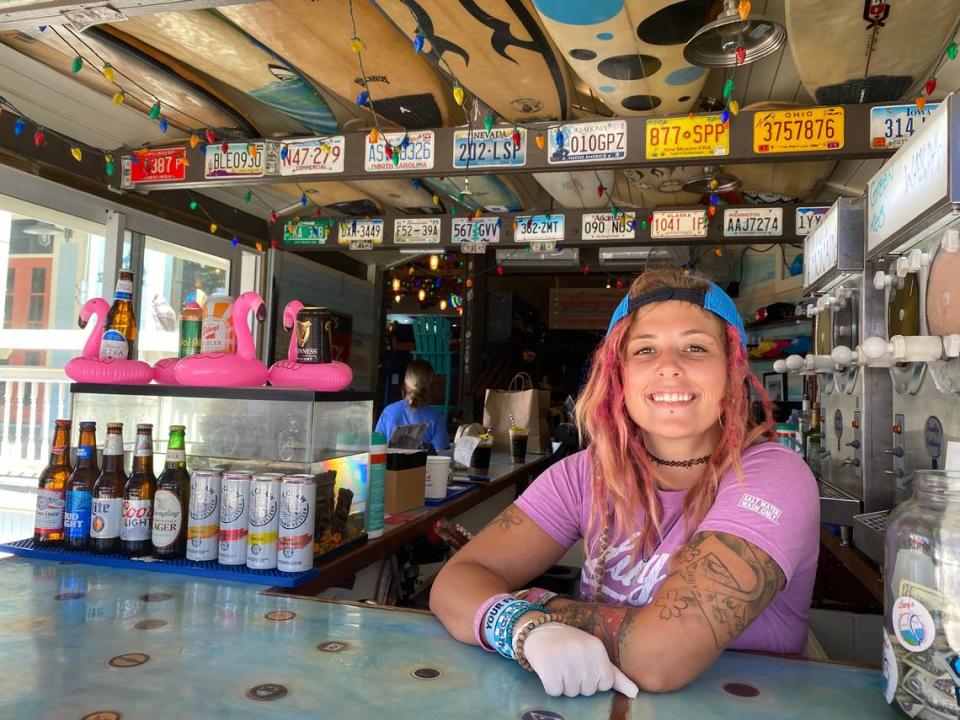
point(414, 407)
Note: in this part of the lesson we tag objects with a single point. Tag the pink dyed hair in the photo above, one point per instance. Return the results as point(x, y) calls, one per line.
point(622, 480)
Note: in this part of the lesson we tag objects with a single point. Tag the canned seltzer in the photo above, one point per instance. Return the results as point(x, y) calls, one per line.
point(313, 328)
point(203, 522)
point(298, 502)
point(264, 521)
point(234, 509)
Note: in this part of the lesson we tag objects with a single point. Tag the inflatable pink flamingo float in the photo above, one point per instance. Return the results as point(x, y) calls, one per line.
point(239, 369)
point(90, 368)
point(323, 377)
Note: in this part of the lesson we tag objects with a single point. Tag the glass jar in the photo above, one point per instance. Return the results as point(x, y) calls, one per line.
point(921, 639)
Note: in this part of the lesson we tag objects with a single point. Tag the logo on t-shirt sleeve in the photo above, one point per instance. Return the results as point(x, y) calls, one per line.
point(761, 507)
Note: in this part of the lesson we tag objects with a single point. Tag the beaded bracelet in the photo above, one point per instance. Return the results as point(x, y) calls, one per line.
point(499, 621)
point(508, 631)
point(521, 638)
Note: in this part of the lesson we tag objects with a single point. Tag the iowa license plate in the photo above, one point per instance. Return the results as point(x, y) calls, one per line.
point(699, 136)
point(803, 130)
point(892, 125)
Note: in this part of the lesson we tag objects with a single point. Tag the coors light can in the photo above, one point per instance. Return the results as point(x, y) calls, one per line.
point(264, 521)
point(203, 522)
point(234, 508)
point(298, 502)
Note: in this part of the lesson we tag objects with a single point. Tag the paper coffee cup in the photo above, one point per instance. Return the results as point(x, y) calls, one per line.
point(438, 472)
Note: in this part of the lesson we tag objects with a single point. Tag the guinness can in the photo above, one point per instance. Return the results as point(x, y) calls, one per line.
point(313, 328)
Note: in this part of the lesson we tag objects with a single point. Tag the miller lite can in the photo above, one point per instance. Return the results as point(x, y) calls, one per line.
point(234, 509)
point(203, 522)
point(264, 521)
point(298, 502)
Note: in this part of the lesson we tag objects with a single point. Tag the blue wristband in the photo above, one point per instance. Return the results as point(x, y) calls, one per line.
point(500, 621)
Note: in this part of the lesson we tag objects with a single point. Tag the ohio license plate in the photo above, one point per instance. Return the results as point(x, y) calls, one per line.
point(752, 222)
point(808, 218)
point(476, 230)
point(604, 226)
point(678, 224)
point(530, 228)
point(360, 234)
point(479, 148)
point(892, 125)
point(699, 136)
point(587, 142)
point(158, 165)
point(236, 161)
point(416, 231)
point(418, 153)
point(801, 130)
point(312, 156)
point(306, 232)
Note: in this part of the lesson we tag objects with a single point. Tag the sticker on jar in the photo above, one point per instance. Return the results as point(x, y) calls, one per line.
point(891, 674)
point(913, 624)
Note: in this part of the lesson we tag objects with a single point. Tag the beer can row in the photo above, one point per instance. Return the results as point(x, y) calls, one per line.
point(265, 520)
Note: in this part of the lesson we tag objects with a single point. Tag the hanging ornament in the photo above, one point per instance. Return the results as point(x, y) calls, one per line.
point(415, 183)
point(259, 247)
point(952, 51)
point(213, 228)
point(397, 298)
point(743, 9)
point(500, 270)
point(728, 88)
point(516, 139)
point(251, 149)
point(77, 153)
point(469, 281)
point(210, 135)
point(434, 262)
point(374, 136)
point(225, 146)
point(436, 199)
point(303, 200)
point(164, 125)
point(443, 304)
point(714, 198)
point(363, 98)
point(457, 93)
point(559, 138)
point(388, 151)
point(488, 122)
point(38, 137)
point(405, 143)
point(714, 183)
point(118, 98)
point(249, 194)
point(194, 140)
point(725, 116)
point(77, 64)
point(324, 147)
point(284, 153)
point(356, 44)
point(478, 214)
point(273, 216)
point(614, 210)
point(712, 210)
point(193, 204)
point(422, 295)
point(453, 209)
point(718, 251)
point(418, 40)
point(155, 110)
point(109, 73)
point(396, 159)
point(600, 190)
point(643, 224)
point(108, 166)
point(234, 241)
point(18, 127)
point(586, 269)
point(931, 86)
point(921, 102)
point(734, 107)
point(540, 140)
point(135, 158)
point(741, 53)
point(395, 284)
point(619, 284)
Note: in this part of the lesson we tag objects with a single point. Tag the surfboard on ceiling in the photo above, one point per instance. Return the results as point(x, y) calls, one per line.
point(870, 51)
point(487, 192)
point(397, 192)
point(630, 52)
point(315, 37)
point(573, 190)
point(656, 187)
point(185, 105)
point(207, 41)
point(341, 197)
point(497, 49)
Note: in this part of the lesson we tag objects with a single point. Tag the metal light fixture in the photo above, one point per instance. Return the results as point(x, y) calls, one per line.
point(715, 44)
point(712, 181)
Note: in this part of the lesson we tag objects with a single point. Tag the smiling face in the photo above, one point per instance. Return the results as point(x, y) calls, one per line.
point(675, 376)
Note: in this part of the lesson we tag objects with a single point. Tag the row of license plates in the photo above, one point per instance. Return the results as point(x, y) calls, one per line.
point(778, 131)
point(473, 234)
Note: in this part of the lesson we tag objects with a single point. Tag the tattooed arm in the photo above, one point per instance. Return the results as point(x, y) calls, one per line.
point(717, 585)
point(504, 556)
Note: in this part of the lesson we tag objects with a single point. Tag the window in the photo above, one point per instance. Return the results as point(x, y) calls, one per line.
point(8, 297)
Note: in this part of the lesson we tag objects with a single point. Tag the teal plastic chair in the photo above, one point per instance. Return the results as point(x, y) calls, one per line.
point(432, 336)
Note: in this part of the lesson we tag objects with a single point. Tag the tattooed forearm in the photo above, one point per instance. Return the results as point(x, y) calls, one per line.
point(511, 517)
point(606, 622)
point(723, 579)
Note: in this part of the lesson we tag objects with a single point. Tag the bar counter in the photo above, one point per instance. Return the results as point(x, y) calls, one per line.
point(96, 643)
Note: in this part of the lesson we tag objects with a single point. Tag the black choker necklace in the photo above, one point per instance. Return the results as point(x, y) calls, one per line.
point(679, 463)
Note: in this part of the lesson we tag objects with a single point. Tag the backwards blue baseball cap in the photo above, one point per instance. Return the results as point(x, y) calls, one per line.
point(711, 299)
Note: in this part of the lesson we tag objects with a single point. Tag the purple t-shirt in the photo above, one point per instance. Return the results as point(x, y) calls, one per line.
point(776, 507)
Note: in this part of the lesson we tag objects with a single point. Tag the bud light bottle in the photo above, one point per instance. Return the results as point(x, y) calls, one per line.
point(76, 517)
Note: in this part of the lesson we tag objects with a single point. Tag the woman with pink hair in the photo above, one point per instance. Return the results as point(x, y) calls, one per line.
point(700, 533)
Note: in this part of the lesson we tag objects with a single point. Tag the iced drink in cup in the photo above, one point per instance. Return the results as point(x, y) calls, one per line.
point(480, 459)
point(518, 444)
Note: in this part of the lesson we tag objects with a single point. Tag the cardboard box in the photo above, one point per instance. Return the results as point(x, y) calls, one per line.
point(406, 480)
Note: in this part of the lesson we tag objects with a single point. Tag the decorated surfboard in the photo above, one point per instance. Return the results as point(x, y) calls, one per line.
point(578, 189)
point(870, 51)
point(656, 187)
point(486, 192)
point(316, 37)
point(630, 52)
point(497, 50)
point(206, 41)
point(142, 80)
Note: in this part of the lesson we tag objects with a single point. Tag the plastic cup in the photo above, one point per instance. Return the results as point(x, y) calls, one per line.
point(518, 445)
point(438, 472)
point(480, 461)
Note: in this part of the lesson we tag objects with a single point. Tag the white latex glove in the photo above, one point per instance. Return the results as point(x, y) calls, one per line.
point(572, 662)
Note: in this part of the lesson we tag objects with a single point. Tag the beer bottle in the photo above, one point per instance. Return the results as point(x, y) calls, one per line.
point(76, 517)
point(120, 328)
point(138, 497)
point(171, 501)
point(107, 518)
point(48, 521)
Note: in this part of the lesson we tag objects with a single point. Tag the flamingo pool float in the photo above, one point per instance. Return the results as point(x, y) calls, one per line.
point(163, 371)
point(90, 368)
point(322, 377)
point(239, 369)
